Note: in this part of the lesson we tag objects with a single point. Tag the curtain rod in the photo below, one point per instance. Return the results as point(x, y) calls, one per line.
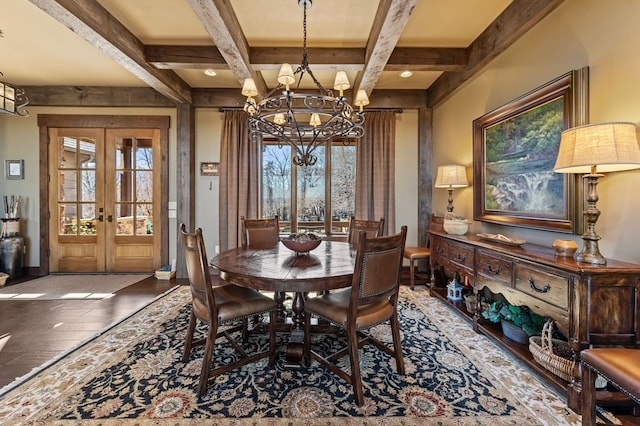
point(396, 110)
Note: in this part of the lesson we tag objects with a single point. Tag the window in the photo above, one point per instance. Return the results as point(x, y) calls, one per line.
point(327, 186)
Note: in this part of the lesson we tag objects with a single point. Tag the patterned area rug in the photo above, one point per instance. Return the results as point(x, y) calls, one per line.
point(133, 375)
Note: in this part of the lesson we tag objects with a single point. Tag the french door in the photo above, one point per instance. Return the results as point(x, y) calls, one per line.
point(104, 200)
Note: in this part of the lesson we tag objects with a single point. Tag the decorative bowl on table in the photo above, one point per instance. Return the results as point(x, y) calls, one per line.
point(455, 225)
point(301, 243)
point(565, 248)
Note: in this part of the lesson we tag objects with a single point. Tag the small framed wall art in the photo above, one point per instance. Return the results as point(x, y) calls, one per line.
point(209, 169)
point(14, 169)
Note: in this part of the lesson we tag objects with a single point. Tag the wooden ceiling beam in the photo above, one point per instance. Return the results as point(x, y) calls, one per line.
point(270, 58)
point(221, 23)
point(518, 18)
point(391, 18)
point(89, 20)
point(427, 59)
point(184, 57)
point(98, 96)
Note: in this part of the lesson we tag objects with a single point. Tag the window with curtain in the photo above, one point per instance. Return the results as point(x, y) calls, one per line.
point(318, 198)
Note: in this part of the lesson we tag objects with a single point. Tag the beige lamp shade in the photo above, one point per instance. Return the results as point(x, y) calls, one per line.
point(606, 147)
point(279, 119)
point(362, 99)
point(341, 82)
point(451, 176)
point(315, 120)
point(285, 76)
point(249, 87)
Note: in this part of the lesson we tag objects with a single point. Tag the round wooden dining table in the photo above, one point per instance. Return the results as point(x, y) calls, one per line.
point(329, 266)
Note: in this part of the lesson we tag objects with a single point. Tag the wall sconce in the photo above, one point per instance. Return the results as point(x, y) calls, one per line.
point(451, 176)
point(606, 147)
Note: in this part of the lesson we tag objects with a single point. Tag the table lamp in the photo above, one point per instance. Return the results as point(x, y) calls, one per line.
point(451, 176)
point(606, 147)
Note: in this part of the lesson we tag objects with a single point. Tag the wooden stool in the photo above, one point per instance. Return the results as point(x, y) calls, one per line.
point(413, 254)
point(621, 367)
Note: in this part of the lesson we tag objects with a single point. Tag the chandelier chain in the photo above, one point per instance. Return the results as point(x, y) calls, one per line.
point(305, 121)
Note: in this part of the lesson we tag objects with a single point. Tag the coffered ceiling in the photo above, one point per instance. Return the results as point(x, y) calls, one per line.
point(166, 45)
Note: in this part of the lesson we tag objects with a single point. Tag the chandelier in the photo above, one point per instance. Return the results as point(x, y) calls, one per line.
point(304, 120)
point(12, 100)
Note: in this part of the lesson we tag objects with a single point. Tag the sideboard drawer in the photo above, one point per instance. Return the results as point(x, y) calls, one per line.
point(462, 255)
point(495, 268)
point(440, 251)
point(544, 285)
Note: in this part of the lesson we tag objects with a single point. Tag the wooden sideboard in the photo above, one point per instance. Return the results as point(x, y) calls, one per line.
point(591, 304)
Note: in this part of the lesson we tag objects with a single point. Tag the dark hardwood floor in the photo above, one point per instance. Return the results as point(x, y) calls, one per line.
point(33, 332)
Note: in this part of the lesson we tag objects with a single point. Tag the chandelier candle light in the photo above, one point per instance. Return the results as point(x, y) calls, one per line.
point(606, 147)
point(303, 120)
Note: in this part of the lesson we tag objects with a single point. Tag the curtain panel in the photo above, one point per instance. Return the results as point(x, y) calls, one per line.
point(240, 174)
point(239, 178)
point(375, 170)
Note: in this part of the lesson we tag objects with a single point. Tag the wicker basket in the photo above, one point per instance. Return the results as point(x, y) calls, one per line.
point(553, 354)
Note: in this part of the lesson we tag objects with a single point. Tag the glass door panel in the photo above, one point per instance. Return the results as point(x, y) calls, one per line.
point(76, 229)
point(135, 197)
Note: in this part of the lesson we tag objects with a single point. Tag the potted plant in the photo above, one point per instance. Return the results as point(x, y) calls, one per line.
point(518, 322)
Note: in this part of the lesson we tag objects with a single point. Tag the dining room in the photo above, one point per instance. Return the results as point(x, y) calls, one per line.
point(510, 51)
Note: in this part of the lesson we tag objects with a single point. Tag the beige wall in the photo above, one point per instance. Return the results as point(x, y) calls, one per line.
point(603, 35)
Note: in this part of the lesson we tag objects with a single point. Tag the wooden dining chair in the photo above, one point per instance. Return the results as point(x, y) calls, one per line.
point(259, 233)
point(263, 234)
point(373, 228)
point(371, 300)
point(421, 253)
point(218, 305)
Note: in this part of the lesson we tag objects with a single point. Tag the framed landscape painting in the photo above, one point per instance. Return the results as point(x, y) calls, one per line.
point(515, 149)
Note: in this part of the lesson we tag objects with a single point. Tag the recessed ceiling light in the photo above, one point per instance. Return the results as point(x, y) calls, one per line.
point(210, 72)
point(406, 74)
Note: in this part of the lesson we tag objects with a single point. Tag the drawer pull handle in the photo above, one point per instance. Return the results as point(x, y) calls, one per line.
point(440, 250)
point(546, 288)
point(461, 258)
point(495, 271)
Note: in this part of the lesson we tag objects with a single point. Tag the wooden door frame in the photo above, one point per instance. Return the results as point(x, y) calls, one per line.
point(46, 121)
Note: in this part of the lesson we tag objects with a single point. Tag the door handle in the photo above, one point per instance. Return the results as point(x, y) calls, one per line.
point(101, 218)
point(110, 218)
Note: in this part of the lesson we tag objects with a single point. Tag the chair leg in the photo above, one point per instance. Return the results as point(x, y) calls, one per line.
point(273, 316)
point(306, 354)
point(245, 329)
point(397, 344)
point(412, 272)
point(588, 396)
point(189, 337)
point(356, 377)
point(279, 297)
point(207, 358)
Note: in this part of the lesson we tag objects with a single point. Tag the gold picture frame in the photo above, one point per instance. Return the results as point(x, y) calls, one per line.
point(515, 148)
point(209, 169)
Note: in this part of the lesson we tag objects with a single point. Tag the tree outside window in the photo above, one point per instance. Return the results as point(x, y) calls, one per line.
point(303, 206)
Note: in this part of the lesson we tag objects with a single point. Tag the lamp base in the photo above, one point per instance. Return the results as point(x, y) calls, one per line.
point(590, 252)
point(592, 258)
